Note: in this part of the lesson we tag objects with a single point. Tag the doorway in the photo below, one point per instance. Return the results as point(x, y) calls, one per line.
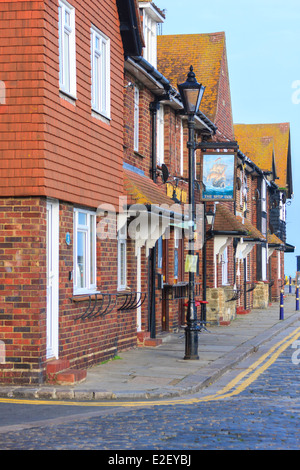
point(52, 248)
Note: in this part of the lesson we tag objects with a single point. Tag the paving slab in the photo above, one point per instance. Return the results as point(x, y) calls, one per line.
point(162, 372)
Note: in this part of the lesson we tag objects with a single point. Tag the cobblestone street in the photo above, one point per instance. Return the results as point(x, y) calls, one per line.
point(264, 416)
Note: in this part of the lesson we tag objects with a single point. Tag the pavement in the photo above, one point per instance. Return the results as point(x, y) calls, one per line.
point(150, 373)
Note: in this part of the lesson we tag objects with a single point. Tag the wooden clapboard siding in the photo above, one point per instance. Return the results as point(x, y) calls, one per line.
point(50, 147)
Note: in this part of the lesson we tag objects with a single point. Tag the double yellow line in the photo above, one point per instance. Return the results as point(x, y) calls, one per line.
point(234, 387)
point(249, 375)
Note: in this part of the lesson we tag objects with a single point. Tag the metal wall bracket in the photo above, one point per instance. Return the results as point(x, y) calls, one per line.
point(103, 303)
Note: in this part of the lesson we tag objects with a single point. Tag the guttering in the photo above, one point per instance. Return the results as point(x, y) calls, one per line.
point(233, 233)
point(250, 163)
point(152, 71)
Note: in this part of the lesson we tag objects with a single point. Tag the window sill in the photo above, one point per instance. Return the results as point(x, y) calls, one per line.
point(123, 290)
point(68, 97)
point(85, 296)
point(138, 154)
point(100, 117)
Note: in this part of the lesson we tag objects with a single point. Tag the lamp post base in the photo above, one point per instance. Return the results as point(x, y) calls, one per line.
point(191, 343)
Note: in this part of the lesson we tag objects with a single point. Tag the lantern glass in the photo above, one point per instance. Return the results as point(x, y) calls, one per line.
point(210, 215)
point(191, 93)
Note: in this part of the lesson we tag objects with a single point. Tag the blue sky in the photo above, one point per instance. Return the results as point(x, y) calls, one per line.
point(263, 50)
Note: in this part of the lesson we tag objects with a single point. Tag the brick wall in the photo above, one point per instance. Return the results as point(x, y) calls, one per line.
point(223, 118)
point(23, 296)
point(23, 288)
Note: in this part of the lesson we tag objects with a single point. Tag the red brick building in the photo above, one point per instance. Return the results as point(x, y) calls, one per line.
point(242, 272)
point(269, 148)
point(94, 186)
point(61, 157)
point(156, 173)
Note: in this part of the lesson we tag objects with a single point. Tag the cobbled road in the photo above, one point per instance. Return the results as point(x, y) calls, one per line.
point(265, 416)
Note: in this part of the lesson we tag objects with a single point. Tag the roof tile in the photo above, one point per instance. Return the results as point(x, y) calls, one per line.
point(259, 141)
point(176, 53)
point(142, 190)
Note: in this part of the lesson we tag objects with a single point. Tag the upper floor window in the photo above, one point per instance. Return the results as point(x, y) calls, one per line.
point(160, 135)
point(264, 207)
point(150, 35)
point(282, 208)
point(151, 18)
point(67, 56)
point(263, 196)
point(100, 67)
point(136, 118)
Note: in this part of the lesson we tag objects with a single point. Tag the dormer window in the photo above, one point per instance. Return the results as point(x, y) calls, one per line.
point(150, 17)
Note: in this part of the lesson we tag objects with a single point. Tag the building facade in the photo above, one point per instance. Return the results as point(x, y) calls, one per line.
point(94, 188)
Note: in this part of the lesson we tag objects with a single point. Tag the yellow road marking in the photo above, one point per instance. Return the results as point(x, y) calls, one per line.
point(234, 387)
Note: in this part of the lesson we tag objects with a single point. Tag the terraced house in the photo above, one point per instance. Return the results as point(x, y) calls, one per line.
point(94, 186)
point(62, 64)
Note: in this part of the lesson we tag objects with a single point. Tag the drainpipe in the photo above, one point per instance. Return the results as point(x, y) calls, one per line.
point(154, 106)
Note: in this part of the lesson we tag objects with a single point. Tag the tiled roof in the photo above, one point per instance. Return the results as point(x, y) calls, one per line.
point(258, 141)
point(142, 190)
point(253, 232)
point(226, 221)
point(274, 240)
point(176, 53)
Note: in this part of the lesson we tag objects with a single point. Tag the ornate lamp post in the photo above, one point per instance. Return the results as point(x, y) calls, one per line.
point(191, 94)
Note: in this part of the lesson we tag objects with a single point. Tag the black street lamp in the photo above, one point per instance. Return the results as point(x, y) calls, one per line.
point(191, 94)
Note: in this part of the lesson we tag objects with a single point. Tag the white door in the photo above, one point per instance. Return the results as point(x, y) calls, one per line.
point(52, 278)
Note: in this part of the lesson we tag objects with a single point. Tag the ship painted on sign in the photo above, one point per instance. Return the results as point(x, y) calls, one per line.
point(218, 177)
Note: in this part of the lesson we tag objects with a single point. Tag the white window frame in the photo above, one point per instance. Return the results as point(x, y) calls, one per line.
point(100, 72)
point(264, 252)
point(264, 207)
point(67, 61)
point(225, 267)
point(136, 118)
point(90, 269)
point(150, 35)
point(181, 147)
point(122, 258)
point(160, 135)
point(282, 209)
point(264, 196)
